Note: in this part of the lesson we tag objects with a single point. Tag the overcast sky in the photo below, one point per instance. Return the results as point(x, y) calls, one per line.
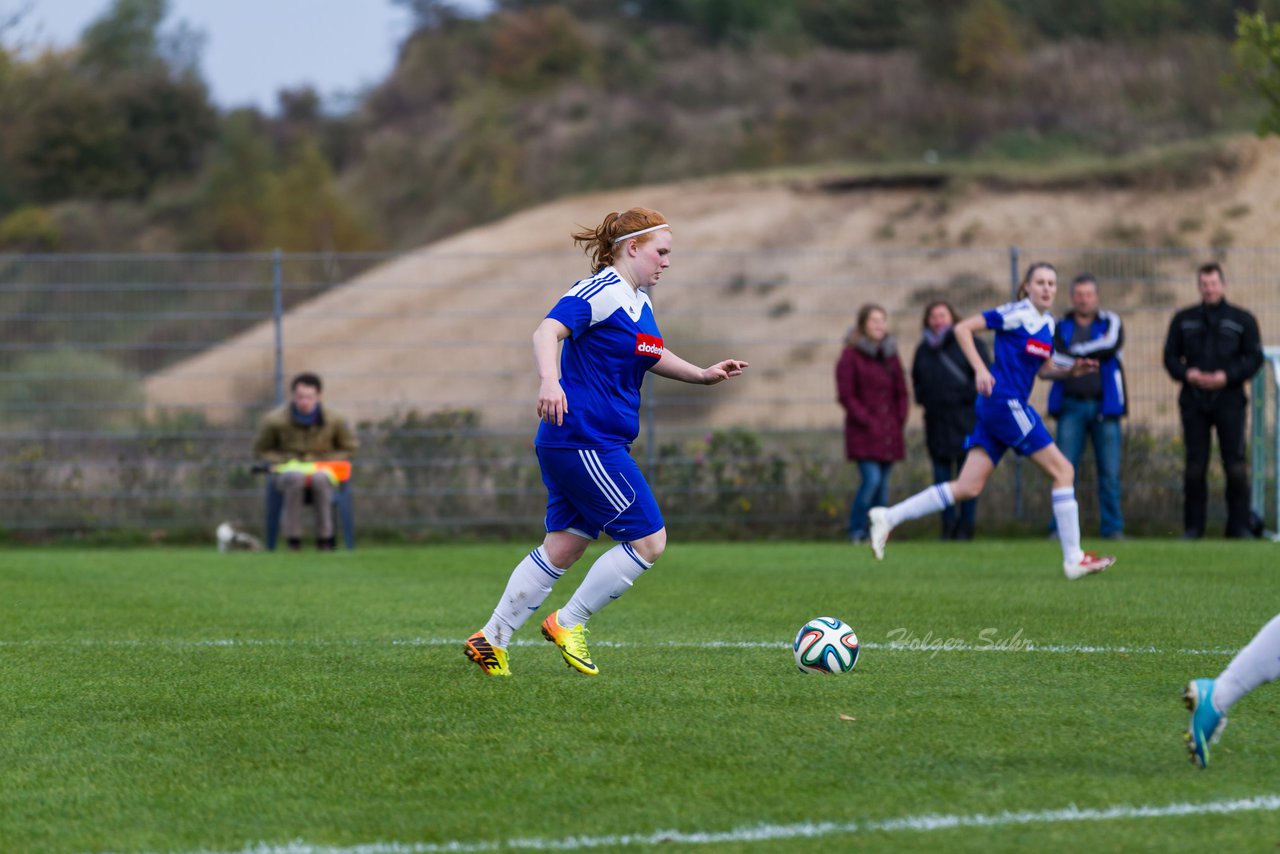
point(253, 48)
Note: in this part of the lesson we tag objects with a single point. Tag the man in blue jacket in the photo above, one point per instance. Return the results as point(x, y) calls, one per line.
point(1093, 404)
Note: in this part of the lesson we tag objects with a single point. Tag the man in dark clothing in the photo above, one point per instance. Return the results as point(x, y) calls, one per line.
point(1092, 405)
point(1213, 349)
point(944, 387)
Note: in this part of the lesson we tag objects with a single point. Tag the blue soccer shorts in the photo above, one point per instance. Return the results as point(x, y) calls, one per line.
point(1004, 423)
point(594, 490)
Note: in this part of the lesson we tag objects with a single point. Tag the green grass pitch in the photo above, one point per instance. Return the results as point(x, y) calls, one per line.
point(183, 700)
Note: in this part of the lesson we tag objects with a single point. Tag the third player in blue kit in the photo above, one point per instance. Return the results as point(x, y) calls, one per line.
point(1007, 421)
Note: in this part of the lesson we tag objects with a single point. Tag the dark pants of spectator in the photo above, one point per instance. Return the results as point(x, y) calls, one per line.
point(955, 525)
point(1228, 418)
point(872, 492)
point(294, 486)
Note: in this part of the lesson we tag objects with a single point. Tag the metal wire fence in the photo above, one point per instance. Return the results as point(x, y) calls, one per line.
point(131, 385)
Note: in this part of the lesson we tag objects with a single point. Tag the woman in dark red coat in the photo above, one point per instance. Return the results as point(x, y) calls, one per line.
point(873, 391)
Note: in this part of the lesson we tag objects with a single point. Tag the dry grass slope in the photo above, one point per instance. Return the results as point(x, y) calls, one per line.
point(470, 302)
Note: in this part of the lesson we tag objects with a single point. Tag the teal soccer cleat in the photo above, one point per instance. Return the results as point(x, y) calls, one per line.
point(1207, 723)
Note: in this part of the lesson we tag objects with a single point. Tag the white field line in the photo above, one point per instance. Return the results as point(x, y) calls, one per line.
point(1017, 645)
point(773, 832)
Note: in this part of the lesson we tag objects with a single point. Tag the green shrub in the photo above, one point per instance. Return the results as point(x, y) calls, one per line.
point(29, 229)
point(70, 389)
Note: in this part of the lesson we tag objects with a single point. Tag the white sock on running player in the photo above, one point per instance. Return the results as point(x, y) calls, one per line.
point(1256, 664)
point(609, 577)
point(932, 499)
point(528, 588)
point(1066, 512)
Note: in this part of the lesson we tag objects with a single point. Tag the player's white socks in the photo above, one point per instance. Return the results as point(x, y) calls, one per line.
point(1066, 512)
point(609, 577)
point(530, 584)
point(931, 499)
point(1256, 664)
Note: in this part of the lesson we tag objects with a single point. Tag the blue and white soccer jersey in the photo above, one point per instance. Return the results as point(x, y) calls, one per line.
point(613, 342)
point(592, 482)
point(1024, 341)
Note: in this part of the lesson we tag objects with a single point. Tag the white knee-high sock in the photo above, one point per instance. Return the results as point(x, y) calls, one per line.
point(530, 584)
point(1256, 664)
point(1066, 512)
point(931, 499)
point(609, 577)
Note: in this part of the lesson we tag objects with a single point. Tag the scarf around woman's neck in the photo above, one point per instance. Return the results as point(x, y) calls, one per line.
point(882, 349)
point(935, 339)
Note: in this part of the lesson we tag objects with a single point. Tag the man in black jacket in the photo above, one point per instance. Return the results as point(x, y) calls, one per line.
point(1213, 349)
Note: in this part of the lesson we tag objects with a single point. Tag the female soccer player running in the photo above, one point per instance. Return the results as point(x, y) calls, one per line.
point(1023, 350)
point(590, 414)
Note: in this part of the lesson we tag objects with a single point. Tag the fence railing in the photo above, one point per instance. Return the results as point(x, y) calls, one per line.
point(131, 385)
point(1265, 450)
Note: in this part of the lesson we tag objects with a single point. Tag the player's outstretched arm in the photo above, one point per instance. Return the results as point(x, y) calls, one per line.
point(673, 367)
point(964, 331)
point(552, 403)
point(1060, 367)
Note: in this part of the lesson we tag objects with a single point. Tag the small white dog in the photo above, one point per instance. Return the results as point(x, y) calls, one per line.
point(229, 539)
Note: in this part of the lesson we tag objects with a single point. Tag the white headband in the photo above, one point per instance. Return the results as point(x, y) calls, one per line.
point(640, 232)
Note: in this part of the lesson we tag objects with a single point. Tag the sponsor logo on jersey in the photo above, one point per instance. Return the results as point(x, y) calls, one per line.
point(1039, 348)
point(648, 345)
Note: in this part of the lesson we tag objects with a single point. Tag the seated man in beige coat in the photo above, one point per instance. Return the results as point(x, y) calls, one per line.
point(292, 439)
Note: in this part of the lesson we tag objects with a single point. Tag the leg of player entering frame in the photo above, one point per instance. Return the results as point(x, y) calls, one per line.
point(1209, 700)
point(610, 576)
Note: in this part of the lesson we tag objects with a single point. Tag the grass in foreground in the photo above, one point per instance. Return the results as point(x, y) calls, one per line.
point(184, 700)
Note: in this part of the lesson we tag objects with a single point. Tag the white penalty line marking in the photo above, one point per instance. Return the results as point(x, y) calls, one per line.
point(773, 832)
point(994, 644)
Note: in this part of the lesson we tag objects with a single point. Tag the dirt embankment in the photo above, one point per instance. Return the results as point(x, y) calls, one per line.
point(788, 258)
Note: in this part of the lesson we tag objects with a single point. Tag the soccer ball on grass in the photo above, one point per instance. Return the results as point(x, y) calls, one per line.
point(826, 645)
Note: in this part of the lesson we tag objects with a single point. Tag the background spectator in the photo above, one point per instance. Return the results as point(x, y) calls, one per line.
point(871, 387)
point(1093, 404)
point(300, 432)
point(1213, 349)
point(944, 385)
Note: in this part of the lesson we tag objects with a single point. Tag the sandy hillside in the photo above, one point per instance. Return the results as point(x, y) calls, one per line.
point(767, 269)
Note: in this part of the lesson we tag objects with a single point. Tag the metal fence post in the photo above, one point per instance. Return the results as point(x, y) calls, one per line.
point(1017, 462)
point(1260, 472)
point(1013, 272)
point(1275, 456)
point(1258, 449)
point(277, 316)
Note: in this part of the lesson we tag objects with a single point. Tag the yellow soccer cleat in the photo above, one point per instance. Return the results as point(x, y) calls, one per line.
point(492, 659)
point(572, 643)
